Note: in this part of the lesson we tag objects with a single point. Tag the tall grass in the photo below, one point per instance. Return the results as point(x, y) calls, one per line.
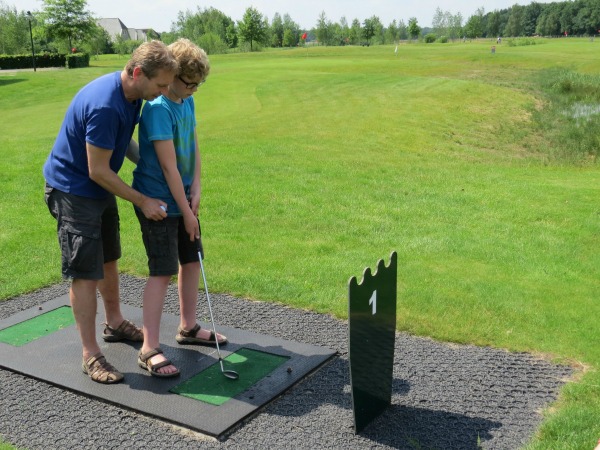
point(318, 162)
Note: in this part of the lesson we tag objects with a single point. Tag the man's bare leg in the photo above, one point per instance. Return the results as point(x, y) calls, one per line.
point(110, 292)
point(83, 303)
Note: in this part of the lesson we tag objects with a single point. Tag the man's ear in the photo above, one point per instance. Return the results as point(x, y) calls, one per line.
point(137, 71)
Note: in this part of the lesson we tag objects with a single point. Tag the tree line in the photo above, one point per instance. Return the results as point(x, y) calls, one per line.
point(62, 25)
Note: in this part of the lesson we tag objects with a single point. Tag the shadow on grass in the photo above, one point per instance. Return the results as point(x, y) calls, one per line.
point(7, 81)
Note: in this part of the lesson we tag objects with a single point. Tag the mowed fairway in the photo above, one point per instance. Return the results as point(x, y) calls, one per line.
point(319, 162)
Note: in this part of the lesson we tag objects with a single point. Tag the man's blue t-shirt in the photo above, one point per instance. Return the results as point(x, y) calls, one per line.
point(163, 120)
point(101, 115)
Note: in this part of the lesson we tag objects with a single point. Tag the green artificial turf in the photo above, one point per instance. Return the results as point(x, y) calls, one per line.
point(211, 386)
point(37, 327)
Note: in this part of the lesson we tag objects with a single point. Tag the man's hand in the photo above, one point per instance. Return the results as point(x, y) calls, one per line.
point(153, 209)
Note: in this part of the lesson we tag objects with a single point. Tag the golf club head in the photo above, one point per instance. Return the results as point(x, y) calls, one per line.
point(231, 374)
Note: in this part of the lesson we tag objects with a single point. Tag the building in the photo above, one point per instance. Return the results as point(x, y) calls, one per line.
point(115, 29)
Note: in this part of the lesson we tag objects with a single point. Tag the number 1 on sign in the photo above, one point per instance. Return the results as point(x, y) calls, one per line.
point(373, 302)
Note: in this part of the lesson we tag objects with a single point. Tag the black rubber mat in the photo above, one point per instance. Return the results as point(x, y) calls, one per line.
point(56, 358)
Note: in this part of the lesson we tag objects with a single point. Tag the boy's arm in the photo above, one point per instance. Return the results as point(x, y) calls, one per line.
point(165, 150)
point(196, 188)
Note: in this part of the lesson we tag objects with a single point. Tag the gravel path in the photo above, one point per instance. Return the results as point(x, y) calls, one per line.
point(444, 396)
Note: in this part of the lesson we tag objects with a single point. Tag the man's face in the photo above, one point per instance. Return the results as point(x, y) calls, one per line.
point(150, 88)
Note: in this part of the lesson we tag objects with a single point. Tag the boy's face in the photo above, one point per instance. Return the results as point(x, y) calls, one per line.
point(184, 87)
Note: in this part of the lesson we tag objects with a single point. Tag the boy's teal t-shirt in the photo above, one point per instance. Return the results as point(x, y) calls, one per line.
point(163, 119)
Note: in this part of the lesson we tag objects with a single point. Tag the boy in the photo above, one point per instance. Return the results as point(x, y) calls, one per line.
point(169, 169)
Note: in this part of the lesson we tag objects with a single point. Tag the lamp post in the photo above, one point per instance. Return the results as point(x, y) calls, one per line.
point(30, 18)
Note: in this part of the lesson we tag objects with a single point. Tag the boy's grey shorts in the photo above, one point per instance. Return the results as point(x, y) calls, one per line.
point(167, 244)
point(88, 232)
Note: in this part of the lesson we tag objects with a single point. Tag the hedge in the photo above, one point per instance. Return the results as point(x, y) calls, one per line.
point(42, 60)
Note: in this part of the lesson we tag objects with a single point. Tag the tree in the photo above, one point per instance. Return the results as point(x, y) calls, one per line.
point(493, 24)
point(439, 23)
point(391, 33)
point(369, 29)
point(231, 36)
point(68, 20)
point(252, 27)
point(414, 30)
point(277, 31)
point(474, 26)
point(323, 29)
point(456, 26)
point(14, 31)
point(99, 43)
point(402, 30)
point(291, 31)
point(193, 25)
point(355, 32)
point(516, 22)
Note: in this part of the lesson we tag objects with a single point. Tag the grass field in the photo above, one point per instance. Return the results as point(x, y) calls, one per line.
point(319, 162)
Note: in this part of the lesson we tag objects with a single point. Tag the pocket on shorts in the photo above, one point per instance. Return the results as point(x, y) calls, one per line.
point(159, 243)
point(80, 246)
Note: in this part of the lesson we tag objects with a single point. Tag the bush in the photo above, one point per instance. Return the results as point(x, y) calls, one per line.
point(76, 60)
point(443, 39)
point(212, 43)
point(24, 61)
point(518, 42)
point(430, 38)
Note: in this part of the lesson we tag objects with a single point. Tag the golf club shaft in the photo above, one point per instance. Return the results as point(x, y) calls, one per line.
point(212, 319)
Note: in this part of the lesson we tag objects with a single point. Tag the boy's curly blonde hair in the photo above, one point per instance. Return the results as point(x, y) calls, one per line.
point(192, 60)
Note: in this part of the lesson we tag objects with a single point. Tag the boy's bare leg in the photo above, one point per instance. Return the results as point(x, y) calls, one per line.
point(187, 285)
point(189, 276)
point(154, 299)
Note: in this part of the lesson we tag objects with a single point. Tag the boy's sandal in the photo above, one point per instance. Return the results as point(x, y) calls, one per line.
point(185, 337)
point(101, 370)
point(144, 363)
point(127, 330)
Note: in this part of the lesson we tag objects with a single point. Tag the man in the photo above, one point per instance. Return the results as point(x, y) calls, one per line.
point(82, 180)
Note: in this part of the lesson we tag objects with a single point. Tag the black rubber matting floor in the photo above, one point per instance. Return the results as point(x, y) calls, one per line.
point(56, 358)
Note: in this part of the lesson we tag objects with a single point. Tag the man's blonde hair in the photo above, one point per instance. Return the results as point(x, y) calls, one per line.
point(192, 60)
point(152, 57)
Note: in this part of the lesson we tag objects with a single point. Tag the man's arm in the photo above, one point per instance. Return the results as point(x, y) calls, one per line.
point(133, 151)
point(101, 173)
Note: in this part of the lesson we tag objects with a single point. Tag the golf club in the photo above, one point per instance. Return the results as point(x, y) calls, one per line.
point(231, 374)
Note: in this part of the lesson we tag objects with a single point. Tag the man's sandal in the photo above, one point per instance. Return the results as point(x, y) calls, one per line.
point(145, 363)
point(185, 337)
point(101, 370)
point(126, 331)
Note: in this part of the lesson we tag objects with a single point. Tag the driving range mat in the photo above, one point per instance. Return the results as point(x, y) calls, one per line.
point(43, 343)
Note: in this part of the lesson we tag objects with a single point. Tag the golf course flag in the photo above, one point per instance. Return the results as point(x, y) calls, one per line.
point(372, 335)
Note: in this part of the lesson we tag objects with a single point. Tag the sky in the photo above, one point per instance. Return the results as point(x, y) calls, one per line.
point(160, 14)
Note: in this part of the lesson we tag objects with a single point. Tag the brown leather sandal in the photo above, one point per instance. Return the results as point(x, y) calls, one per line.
point(101, 370)
point(126, 331)
point(185, 337)
point(144, 363)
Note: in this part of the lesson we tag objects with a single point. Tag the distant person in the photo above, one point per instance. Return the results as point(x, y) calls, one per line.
point(169, 169)
point(82, 180)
